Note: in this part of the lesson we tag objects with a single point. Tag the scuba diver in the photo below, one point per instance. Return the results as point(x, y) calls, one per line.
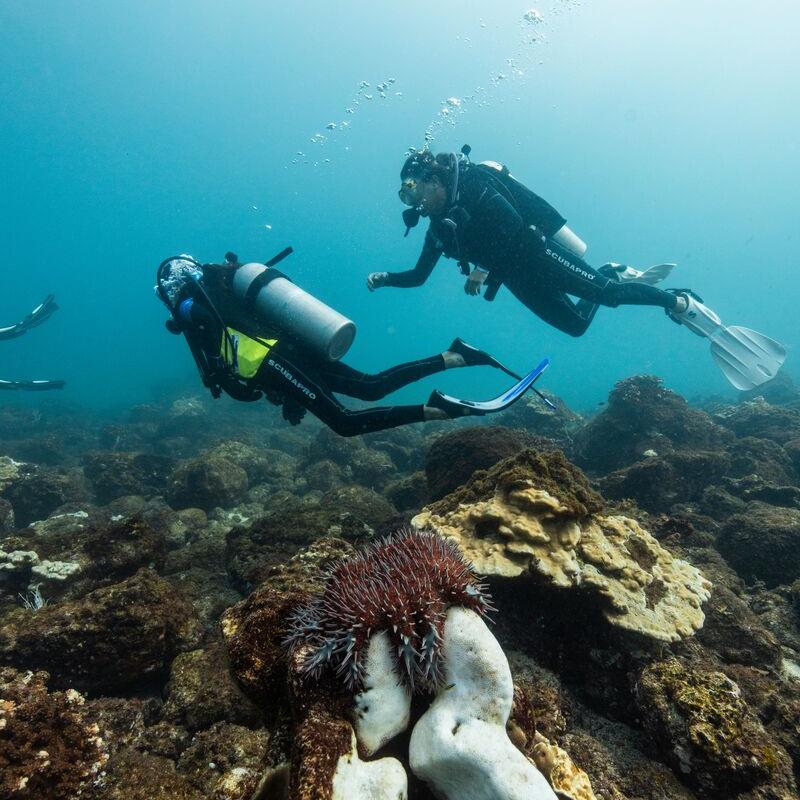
point(502, 233)
point(40, 314)
point(253, 333)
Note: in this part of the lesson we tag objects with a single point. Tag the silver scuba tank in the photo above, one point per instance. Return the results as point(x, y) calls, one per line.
point(275, 298)
point(570, 240)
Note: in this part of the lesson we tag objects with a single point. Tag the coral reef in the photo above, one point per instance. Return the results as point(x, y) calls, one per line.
point(155, 560)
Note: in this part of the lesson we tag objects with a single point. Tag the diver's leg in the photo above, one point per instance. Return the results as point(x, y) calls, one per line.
point(553, 307)
point(344, 379)
point(557, 268)
point(310, 390)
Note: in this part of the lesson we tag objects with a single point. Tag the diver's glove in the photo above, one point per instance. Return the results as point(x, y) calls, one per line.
point(475, 281)
point(293, 412)
point(377, 280)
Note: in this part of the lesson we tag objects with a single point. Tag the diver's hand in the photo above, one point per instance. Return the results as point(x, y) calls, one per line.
point(377, 280)
point(293, 412)
point(475, 281)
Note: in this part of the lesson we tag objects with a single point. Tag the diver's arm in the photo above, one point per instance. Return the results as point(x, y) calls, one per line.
point(430, 254)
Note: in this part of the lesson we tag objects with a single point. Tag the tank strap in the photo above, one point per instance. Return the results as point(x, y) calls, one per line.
point(259, 282)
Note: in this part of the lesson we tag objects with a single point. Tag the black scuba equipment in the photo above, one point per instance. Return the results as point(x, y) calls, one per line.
point(215, 372)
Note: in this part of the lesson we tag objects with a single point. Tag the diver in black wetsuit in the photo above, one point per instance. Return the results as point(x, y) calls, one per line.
point(480, 216)
point(501, 232)
point(244, 347)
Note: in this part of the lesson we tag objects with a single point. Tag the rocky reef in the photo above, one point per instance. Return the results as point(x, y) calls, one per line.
point(199, 602)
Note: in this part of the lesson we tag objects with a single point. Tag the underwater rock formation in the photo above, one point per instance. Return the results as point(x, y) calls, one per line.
point(113, 638)
point(115, 474)
point(642, 415)
point(50, 748)
point(763, 542)
point(207, 482)
point(706, 730)
point(535, 514)
point(455, 456)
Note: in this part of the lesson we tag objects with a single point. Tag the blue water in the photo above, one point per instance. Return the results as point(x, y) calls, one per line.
point(132, 131)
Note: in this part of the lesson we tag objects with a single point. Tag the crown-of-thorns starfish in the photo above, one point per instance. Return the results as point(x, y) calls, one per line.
point(403, 585)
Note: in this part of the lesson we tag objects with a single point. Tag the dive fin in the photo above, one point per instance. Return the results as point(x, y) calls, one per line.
point(40, 314)
point(32, 386)
point(455, 407)
point(747, 358)
point(651, 276)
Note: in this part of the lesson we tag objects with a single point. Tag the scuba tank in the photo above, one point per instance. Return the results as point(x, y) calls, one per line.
point(272, 296)
point(531, 207)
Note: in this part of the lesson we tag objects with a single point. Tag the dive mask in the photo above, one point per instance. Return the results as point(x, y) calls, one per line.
point(410, 192)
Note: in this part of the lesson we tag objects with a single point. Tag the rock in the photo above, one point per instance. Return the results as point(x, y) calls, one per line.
point(39, 492)
point(7, 522)
point(133, 775)
point(84, 554)
point(225, 756)
point(658, 483)
point(454, 457)
point(642, 415)
point(207, 482)
point(372, 468)
point(352, 512)
point(202, 692)
point(534, 515)
point(116, 474)
point(763, 543)
point(113, 639)
point(734, 632)
point(409, 493)
point(261, 465)
point(761, 458)
point(254, 630)
point(704, 728)
point(536, 417)
point(50, 748)
point(760, 419)
point(323, 475)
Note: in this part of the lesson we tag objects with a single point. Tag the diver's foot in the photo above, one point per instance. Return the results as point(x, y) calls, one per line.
point(683, 301)
point(472, 357)
point(627, 274)
point(451, 407)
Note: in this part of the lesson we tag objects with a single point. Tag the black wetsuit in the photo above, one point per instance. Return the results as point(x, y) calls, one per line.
point(293, 377)
point(489, 227)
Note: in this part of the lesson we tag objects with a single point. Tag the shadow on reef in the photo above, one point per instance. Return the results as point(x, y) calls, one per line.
point(644, 565)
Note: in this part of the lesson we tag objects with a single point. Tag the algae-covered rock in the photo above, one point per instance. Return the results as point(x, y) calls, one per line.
point(763, 542)
point(535, 515)
point(454, 457)
point(206, 482)
point(201, 692)
point(643, 415)
point(50, 747)
point(704, 728)
point(659, 482)
point(350, 512)
point(254, 630)
point(112, 639)
point(114, 474)
point(759, 418)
